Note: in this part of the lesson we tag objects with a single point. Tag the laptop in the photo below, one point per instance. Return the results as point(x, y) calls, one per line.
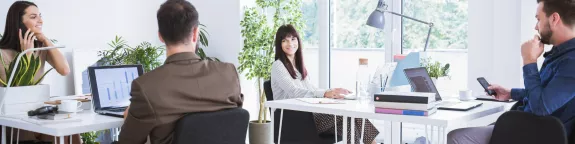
point(421, 82)
point(110, 86)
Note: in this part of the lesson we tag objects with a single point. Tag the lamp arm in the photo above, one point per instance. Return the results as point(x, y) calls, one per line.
point(417, 20)
point(408, 17)
point(16, 67)
point(427, 39)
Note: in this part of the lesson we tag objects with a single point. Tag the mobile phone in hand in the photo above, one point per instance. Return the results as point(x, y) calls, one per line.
point(485, 85)
point(24, 29)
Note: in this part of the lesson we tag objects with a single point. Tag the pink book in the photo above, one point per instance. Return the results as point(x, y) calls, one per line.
point(405, 112)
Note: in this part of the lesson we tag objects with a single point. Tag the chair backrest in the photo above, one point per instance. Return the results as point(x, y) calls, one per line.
point(526, 128)
point(571, 138)
point(268, 90)
point(227, 126)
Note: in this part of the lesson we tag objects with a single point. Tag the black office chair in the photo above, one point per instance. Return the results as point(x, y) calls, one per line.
point(526, 128)
point(228, 126)
point(298, 127)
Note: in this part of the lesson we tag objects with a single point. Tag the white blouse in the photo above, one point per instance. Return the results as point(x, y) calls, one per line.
point(285, 87)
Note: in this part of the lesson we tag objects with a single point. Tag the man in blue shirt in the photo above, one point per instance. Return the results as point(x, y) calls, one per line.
point(549, 91)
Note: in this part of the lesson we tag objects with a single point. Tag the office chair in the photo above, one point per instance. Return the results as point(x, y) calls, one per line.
point(298, 127)
point(227, 126)
point(526, 128)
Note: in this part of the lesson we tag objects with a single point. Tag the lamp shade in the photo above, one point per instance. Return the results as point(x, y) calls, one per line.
point(376, 19)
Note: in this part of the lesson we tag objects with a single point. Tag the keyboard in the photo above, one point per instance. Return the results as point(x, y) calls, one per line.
point(116, 109)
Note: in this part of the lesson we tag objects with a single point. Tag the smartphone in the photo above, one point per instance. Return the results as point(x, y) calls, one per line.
point(485, 84)
point(23, 28)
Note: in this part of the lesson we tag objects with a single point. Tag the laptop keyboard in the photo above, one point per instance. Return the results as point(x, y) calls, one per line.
point(116, 109)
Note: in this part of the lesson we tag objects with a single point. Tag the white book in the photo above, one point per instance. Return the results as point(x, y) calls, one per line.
point(407, 106)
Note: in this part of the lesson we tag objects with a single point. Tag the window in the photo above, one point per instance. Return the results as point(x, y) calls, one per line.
point(351, 39)
point(450, 24)
point(310, 39)
point(448, 40)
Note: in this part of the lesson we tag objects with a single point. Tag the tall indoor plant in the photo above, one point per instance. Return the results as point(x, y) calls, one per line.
point(257, 54)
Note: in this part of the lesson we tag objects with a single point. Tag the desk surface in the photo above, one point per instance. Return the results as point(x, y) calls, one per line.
point(353, 108)
point(89, 122)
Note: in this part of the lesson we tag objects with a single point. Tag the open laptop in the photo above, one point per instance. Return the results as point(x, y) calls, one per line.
point(110, 86)
point(421, 82)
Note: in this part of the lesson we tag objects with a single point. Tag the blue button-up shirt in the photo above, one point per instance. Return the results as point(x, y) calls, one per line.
point(551, 90)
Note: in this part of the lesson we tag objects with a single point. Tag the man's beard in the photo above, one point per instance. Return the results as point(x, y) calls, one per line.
point(546, 36)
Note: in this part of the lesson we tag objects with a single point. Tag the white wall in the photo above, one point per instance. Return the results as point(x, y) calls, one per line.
point(496, 31)
point(222, 19)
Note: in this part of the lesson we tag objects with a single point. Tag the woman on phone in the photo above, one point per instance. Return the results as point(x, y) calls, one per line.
point(24, 31)
point(289, 80)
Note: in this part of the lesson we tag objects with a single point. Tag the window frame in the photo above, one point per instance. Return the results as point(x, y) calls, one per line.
point(398, 4)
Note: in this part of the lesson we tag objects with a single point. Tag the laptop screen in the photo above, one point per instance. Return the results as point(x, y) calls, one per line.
point(421, 82)
point(111, 85)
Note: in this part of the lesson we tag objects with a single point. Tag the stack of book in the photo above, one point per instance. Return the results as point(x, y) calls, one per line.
point(405, 103)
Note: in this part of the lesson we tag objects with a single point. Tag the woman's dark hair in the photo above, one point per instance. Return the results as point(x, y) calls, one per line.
point(10, 39)
point(283, 32)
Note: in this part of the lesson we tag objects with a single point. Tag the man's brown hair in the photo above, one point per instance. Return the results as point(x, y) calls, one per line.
point(565, 9)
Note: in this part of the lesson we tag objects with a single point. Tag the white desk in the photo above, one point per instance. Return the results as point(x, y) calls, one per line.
point(441, 119)
point(90, 122)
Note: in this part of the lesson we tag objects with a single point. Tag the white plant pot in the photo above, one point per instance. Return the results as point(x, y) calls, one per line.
point(20, 100)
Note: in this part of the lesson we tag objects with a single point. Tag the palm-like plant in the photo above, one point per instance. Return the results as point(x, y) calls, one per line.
point(145, 54)
point(204, 44)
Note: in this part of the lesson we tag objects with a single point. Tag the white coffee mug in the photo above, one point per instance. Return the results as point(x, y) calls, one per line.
point(69, 105)
point(465, 95)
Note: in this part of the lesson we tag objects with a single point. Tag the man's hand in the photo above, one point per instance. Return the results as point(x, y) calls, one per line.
point(126, 113)
point(531, 50)
point(503, 94)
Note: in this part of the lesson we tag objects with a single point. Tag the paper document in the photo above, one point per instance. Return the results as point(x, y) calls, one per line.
point(321, 101)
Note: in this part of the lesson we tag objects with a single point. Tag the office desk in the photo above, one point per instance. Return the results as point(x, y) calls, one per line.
point(354, 109)
point(89, 122)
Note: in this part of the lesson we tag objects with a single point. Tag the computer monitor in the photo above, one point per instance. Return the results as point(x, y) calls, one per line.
point(111, 85)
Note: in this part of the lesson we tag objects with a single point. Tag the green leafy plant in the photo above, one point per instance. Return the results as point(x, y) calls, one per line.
point(90, 137)
point(257, 54)
point(204, 44)
point(435, 69)
point(145, 54)
point(116, 55)
point(25, 73)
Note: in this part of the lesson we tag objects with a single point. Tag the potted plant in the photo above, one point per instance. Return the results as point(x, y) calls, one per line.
point(204, 44)
point(121, 54)
point(435, 69)
point(91, 137)
point(257, 54)
point(145, 54)
point(26, 93)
